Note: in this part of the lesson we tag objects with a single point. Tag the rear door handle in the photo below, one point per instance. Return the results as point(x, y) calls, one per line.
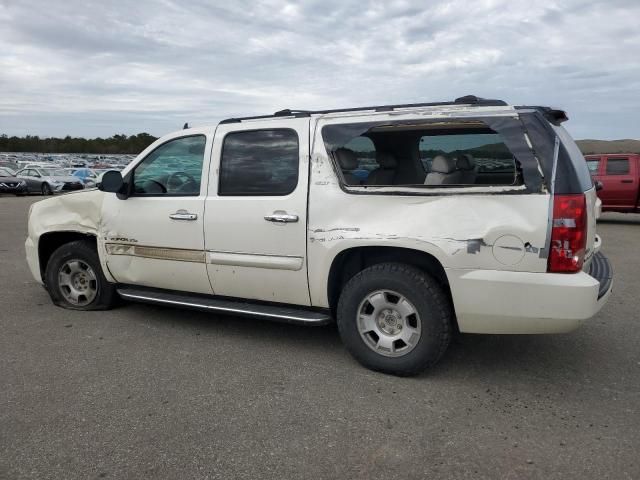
point(280, 216)
point(183, 215)
point(626, 181)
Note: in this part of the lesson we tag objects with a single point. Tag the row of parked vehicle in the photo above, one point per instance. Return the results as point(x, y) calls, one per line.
point(46, 180)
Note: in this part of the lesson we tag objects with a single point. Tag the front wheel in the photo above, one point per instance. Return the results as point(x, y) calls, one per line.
point(74, 279)
point(395, 319)
point(45, 189)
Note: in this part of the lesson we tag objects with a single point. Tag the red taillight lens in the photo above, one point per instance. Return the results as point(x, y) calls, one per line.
point(568, 234)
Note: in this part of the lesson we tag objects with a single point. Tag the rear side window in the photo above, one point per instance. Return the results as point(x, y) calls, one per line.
point(617, 166)
point(365, 152)
point(432, 154)
point(259, 162)
point(492, 160)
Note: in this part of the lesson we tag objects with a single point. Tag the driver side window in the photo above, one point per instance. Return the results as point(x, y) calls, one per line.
point(174, 168)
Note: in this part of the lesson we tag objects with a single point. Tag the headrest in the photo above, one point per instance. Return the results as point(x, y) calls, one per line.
point(386, 160)
point(346, 159)
point(465, 162)
point(442, 164)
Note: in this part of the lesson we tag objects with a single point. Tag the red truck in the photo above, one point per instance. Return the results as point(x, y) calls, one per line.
point(619, 175)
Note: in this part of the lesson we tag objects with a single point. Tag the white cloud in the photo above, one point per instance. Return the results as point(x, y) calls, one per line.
point(97, 68)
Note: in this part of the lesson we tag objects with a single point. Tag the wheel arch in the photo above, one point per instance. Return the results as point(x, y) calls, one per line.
point(352, 260)
point(49, 242)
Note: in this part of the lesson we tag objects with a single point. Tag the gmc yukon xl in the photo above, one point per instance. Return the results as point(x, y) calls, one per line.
point(403, 223)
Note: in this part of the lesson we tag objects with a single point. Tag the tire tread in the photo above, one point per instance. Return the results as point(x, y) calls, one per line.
point(424, 281)
point(107, 295)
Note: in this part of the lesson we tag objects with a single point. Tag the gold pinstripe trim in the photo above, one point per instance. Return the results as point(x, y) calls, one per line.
point(160, 253)
point(276, 262)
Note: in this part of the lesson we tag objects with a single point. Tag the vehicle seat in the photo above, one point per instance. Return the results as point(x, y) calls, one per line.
point(348, 161)
point(467, 167)
point(443, 172)
point(386, 172)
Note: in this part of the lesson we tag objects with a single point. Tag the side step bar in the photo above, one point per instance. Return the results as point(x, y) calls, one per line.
point(287, 314)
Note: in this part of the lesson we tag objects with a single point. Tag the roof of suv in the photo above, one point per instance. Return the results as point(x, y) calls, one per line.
point(554, 116)
point(469, 100)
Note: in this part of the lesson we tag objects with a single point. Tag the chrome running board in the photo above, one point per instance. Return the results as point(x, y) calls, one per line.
point(287, 314)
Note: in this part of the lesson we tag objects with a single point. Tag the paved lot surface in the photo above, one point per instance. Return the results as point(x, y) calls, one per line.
point(148, 392)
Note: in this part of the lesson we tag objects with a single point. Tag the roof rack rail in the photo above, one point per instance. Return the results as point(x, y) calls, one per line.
point(288, 112)
point(466, 100)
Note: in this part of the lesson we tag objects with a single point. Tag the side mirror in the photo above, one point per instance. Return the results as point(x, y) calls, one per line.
point(598, 184)
point(111, 182)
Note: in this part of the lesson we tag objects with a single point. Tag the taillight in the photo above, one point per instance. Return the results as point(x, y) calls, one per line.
point(568, 234)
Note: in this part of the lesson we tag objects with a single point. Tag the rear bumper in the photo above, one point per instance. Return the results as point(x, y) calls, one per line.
point(492, 301)
point(601, 270)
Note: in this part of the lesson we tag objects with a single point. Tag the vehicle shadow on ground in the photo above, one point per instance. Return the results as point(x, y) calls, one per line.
point(262, 331)
point(484, 355)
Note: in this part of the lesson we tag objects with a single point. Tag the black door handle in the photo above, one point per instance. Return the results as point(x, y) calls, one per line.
point(626, 181)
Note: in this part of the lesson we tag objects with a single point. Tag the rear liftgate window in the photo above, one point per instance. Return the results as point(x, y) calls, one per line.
point(469, 152)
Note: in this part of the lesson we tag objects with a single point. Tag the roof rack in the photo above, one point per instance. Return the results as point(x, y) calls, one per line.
point(466, 100)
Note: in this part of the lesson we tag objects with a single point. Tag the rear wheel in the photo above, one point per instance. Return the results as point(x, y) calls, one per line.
point(45, 189)
point(74, 278)
point(395, 319)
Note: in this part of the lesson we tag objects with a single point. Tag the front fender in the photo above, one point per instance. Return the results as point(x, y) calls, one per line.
point(78, 212)
point(69, 213)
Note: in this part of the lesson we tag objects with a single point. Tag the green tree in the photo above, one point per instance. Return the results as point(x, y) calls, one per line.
point(118, 143)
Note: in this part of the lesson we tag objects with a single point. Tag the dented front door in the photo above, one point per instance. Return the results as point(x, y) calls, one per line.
point(155, 237)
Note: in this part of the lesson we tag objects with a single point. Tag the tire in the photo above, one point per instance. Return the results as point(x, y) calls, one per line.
point(45, 189)
point(74, 270)
point(379, 299)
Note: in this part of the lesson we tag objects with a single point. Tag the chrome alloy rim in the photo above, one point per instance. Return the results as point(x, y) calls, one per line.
point(77, 282)
point(388, 323)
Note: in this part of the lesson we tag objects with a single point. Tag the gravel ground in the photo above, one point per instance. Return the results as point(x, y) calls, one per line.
point(150, 392)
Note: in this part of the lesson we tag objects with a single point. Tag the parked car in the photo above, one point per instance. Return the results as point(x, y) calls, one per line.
point(9, 183)
point(7, 172)
point(86, 175)
point(49, 180)
point(12, 166)
point(619, 176)
point(27, 164)
point(263, 216)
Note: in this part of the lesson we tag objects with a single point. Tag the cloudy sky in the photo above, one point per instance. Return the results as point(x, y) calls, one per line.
point(117, 66)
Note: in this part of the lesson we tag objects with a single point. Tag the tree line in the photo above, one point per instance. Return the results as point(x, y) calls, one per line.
point(115, 144)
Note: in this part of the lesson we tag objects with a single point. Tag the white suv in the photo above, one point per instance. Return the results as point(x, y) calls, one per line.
point(402, 223)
